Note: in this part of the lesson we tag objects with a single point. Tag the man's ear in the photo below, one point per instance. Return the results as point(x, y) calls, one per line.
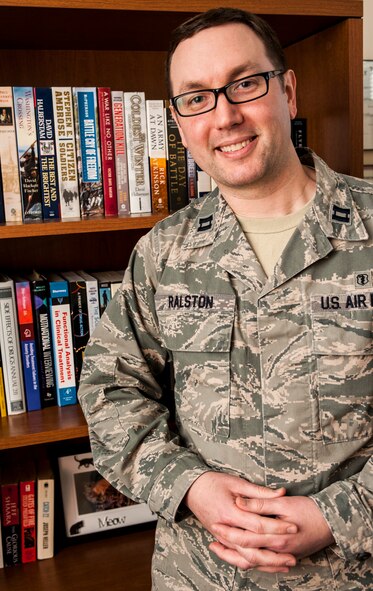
point(176, 118)
point(290, 83)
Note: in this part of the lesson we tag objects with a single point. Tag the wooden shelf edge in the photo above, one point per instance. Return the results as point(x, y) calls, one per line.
point(78, 226)
point(345, 8)
point(42, 426)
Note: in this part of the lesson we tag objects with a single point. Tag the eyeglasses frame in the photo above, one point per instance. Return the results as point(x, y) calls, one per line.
point(223, 90)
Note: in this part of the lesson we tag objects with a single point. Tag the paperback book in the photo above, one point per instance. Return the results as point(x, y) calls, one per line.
point(9, 158)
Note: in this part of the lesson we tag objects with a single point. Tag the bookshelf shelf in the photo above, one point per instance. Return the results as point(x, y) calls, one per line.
point(42, 426)
point(122, 44)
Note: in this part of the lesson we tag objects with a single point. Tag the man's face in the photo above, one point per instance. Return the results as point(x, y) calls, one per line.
point(240, 146)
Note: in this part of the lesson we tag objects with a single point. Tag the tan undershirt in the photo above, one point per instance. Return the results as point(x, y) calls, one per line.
point(269, 236)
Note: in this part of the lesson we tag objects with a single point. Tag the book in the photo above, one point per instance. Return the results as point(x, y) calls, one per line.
point(47, 153)
point(79, 317)
point(120, 147)
point(9, 157)
point(88, 152)
point(299, 132)
point(62, 339)
point(1, 543)
point(66, 152)
point(192, 176)
point(177, 166)
point(92, 299)
point(28, 155)
point(10, 348)
point(3, 412)
point(203, 182)
point(105, 117)
point(43, 338)
point(90, 503)
point(27, 341)
point(45, 491)
point(105, 279)
point(157, 155)
point(137, 152)
point(10, 514)
point(27, 503)
point(2, 208)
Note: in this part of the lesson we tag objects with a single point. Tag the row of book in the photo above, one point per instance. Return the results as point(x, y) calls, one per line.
point(27, 499)
point(68, 153)
point(29, 496)
point(45, 323)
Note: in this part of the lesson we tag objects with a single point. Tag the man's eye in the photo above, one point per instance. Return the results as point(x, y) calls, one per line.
point(196, 100)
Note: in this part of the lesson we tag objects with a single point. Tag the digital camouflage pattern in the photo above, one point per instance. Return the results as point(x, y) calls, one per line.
point(272, 381)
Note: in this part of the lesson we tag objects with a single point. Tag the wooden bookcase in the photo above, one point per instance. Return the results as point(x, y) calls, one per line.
point(122, 44)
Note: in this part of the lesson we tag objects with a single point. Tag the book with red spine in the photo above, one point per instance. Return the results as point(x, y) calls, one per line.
point(27, 512)
point(105, 117)
point(120, 147)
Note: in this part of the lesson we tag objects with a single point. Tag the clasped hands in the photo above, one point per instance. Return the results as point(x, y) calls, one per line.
point(255, 526)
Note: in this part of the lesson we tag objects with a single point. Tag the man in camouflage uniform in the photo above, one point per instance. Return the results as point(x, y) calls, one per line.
point(265, 482)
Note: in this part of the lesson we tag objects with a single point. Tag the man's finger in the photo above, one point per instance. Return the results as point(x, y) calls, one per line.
point(253, 558)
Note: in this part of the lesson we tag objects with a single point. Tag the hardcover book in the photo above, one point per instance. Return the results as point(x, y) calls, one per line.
point(28, 156)
point(2, 209)
point(177, 166)
point(10, 348)
point(28, 345)
point(47, 153)
point(107, 151)
point(90, 503)
point(92, 299)
point(157, 155)
point(79, 317)
point(45, 509)
point(28, 512)
point(10, 515)
point(299, 132)
point(120, 147)
point(62, 339)
point(137, 152)
point(66, 152)
point(42, 326)
point(9, 157)
point(192, 176)
point(88, 152)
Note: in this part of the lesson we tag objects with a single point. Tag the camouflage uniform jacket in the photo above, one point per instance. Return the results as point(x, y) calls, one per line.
point(272, 380)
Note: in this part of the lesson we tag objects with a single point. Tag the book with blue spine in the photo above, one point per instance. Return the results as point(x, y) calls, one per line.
point(62, 339)
point(47, 153)
point(28, 154)
point(27, 341)
point(88, 152)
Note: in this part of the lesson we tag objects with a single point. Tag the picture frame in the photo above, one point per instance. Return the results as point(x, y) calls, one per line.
point(90, 503)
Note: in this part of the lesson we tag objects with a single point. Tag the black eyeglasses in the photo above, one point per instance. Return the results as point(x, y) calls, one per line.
point(244, 90)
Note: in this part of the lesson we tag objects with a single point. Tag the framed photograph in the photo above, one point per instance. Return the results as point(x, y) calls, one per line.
point(90, 503)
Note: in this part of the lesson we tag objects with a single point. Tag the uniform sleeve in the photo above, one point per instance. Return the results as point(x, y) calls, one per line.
point(347, 506)
point(121, 395)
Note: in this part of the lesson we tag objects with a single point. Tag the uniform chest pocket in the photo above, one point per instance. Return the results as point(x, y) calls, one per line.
point(343, 345)
point(197, 330)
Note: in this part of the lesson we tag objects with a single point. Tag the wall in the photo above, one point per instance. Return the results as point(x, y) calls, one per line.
point(368, 30)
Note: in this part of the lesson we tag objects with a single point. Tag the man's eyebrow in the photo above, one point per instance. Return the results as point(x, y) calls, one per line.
point(237, 72)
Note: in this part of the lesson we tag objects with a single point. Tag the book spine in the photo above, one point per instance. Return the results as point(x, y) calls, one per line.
point(192, 176)
point(177, 177)
point(299, 132)
point(3, 412)
point(62, 343)
point(45, 518)
point(2, 208)
point(88, 152)
point(66, 152)
point(107, 151)
point(40, 294)
point(79, 322)
point(10, 351)
point(137, 152)
point(28, 520)
point(157, 155)
point(9, 157)
point(1, 543)
point(92, 302)
point(28, 347)
point(10, 524)
point(203, 182)
point(47, 153)
point(117, 100)
point(28, 155)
